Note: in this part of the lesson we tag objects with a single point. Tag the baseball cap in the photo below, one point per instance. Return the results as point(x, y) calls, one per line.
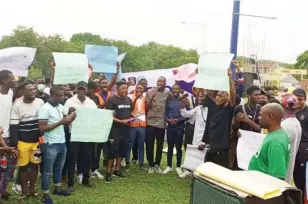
point(289, 101)
point(82, 84)
point(299, 92)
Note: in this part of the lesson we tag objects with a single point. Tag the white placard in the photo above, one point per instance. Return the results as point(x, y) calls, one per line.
point(194, 157)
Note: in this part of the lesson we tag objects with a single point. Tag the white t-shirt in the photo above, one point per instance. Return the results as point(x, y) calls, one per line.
point(6, 102)
point(292, 126)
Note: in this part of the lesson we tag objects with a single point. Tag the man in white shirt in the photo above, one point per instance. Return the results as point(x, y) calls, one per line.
point(293, 127)
point(7, 82)
point(84, 149)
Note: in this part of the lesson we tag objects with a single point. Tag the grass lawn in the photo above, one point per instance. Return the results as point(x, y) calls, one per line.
point(138, 188)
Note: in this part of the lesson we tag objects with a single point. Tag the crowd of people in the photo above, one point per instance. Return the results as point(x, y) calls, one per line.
point(36, 117)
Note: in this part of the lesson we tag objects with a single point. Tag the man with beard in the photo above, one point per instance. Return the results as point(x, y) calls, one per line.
point(273, 156)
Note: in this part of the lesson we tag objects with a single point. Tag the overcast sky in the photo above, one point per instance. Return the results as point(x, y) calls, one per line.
point(141, 21)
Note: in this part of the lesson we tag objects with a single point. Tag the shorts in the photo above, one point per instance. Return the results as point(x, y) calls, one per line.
point(117, 144)
point(28, 152)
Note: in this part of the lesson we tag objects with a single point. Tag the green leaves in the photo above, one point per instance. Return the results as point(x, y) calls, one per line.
point(139, 58)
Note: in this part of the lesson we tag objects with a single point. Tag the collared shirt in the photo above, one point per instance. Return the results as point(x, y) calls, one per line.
point(156, 114)
point(53, 114)
point(198, 116)
point(173, 112)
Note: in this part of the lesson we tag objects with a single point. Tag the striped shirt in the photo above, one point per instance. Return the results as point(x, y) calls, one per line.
point(24, 121)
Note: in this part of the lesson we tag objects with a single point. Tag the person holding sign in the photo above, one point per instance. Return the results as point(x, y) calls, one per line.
point(51, 123)
point(218, 125)
point(84, 149)
point(118, 140)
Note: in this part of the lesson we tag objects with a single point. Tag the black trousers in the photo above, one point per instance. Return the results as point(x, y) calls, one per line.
point(189, 134)
point(82, 151)
point(152, 134)
point(96, 156)
point(135, 151)
point(299, 173)
point(67, 142)
point(220, 157)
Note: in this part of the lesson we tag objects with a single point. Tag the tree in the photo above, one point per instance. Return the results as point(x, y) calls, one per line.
point(302, 61)
point(34, 73)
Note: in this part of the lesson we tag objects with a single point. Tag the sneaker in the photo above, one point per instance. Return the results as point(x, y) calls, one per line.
point(108, 177)
point(183, 175)
point(98, 175)
point(119, 174)
point(79, 178)
point(188, 173)
point(16, 188)
point(61, 193)
point(123, 163)
point(167, 170)
point(151, 170)
point(157, 169)
point(179, 171)
point(47, 200)
point(88, 185)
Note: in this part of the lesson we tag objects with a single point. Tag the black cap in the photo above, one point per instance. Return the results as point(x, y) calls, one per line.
point(299, 92)
point(82, 84)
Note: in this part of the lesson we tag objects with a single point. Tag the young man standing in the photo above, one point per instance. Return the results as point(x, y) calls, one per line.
point(7, 82)
point(25, 135)
point(82, 149)
point(51, 123)
point(218, 125)
point(273, 156)
point(156, 103)
point(138, 127)
point(299, 173)
point(292, 126)
point(175, 130)
point(118, 140)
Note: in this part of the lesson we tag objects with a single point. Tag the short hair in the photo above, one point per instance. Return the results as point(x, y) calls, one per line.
point(120, 83)
point(55, 89)
point(24, 84)
point(274, 100)
point(47, 80)
point(4, 74)
point(103, 78)
point(92, 84)
point(251, 89)
point(269, 88)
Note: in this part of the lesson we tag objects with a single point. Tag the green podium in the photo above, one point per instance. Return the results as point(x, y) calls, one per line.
point(205, 192)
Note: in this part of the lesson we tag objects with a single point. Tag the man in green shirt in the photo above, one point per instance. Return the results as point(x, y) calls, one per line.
point(273, 156)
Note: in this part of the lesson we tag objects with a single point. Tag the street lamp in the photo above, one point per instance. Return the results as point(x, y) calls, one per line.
point(204, 30)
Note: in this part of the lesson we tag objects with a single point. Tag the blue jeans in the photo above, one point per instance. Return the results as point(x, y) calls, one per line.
point(174, 138)
point(136, 133)
point(54, 159)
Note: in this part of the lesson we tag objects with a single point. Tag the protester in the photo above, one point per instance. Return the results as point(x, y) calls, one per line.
point(156, 102)
point(41, 94)
point(218, 126)
point(270, 92)
point(25, 133)
point(301, 159)
point(51, 121)
point(263, 98)
point(82, 149)
point(138, 126)
point(273, 156)
point(292, 126)
point(7, 83)
point(91, 93)
point(175, 130)
point(117, 141)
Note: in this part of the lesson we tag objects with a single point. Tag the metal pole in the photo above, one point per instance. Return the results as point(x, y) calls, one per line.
point(234, 31)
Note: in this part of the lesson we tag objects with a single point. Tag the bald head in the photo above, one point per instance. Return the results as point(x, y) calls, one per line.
point(271, 115)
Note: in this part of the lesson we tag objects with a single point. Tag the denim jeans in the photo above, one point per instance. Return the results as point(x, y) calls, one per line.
point(174, 138)
point(54, 159)
point(137, 134)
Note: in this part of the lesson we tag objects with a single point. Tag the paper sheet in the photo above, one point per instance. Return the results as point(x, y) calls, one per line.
point(248, 144)
point(17, 60)
point(193, 157)
point(141, 117)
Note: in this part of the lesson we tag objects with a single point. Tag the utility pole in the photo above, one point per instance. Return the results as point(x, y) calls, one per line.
point(235, 27)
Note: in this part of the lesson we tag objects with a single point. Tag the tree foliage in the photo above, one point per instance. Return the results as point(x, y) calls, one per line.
point(139, 58)
point(302, 61)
